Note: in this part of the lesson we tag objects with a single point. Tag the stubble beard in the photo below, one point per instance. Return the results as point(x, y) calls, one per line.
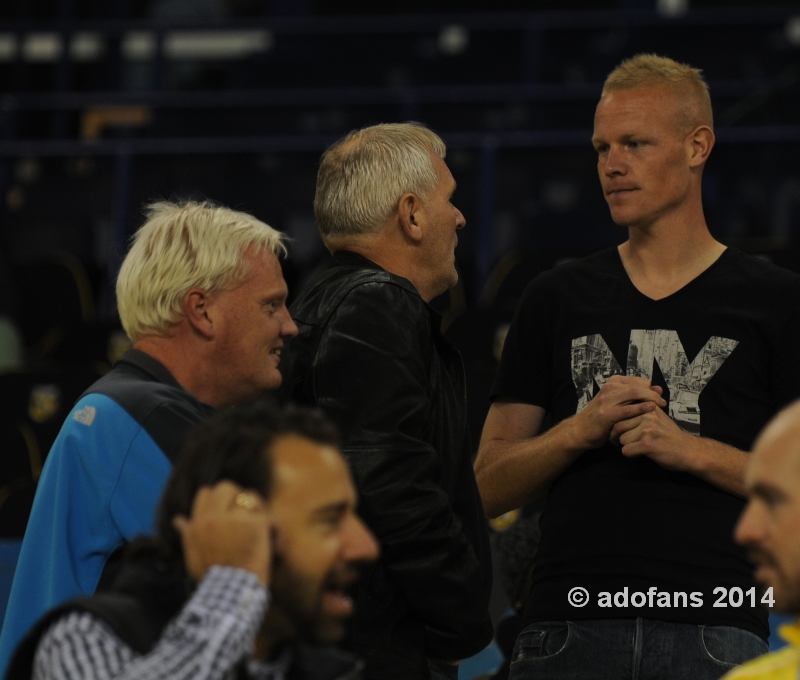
point(300, 601)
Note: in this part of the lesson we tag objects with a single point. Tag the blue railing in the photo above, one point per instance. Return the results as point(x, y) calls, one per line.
point(406, 100)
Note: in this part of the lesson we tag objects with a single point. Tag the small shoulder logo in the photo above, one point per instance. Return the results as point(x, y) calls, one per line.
point(85, 415)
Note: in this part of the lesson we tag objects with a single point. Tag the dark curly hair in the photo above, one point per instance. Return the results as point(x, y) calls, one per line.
point(233, 445)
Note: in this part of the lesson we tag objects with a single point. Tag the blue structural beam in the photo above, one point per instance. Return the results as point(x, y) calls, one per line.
point(412, 96)
point(277, 143)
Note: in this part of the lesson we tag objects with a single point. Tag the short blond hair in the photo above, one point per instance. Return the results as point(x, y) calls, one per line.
point(651, 70)
point(362, 177)
point(183, 246)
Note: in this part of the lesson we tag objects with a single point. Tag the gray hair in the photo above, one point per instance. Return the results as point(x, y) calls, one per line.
point(362, 177)
point(183, 246)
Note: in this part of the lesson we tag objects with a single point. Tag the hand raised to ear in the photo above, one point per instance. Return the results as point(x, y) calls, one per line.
point(229, 526)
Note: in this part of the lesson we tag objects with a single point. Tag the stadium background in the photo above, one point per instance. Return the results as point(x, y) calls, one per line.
point(106, 105)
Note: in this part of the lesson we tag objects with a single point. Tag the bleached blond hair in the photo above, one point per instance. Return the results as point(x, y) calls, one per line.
point(362, 177)
point(651, 70)
point(183, 246)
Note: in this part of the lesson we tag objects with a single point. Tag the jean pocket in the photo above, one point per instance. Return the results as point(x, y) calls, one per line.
point(541, 641)
point(730, 646)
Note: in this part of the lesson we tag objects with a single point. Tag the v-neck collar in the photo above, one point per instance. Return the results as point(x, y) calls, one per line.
point(624, 272)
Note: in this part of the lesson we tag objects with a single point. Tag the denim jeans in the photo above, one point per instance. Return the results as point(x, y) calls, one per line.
point(630, 649)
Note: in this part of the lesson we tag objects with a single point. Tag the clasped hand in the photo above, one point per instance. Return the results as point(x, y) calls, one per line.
point(627, 411)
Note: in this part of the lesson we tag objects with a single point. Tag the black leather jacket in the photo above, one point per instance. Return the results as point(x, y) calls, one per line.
point(371, 355)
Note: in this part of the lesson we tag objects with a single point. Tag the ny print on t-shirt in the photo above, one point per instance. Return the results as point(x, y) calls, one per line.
point(593, 364)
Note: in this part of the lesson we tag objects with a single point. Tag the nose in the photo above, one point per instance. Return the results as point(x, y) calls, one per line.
point(288, 327)
point(612, 162)
point(360, 544)
point(461, 221)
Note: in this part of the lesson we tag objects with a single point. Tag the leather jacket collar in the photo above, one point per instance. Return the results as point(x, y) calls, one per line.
point(348, 258)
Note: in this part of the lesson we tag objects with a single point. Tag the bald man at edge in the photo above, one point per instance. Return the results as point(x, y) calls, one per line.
point(659, 361)
point(770, 530)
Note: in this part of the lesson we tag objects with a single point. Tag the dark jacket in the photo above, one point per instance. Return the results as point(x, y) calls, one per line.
point(371, 355)
point(144, 598)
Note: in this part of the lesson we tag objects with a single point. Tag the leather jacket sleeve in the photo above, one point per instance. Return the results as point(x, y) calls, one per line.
point(372, 374)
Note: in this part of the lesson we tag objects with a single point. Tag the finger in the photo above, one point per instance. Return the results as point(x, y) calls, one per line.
point(631, 436)
point(634, 449)
point(201, 501)
point(221, 498)
point(192, 553)
point(628, 411)
point(224, 495)
point(628, 380)
point(622, 428)
point(185, 531)
point(627, 393)
point(249, 500)
point(658, 390)
point(615, 380)
point(639, 394)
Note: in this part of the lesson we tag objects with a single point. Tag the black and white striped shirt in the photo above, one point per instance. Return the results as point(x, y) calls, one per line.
point(215, 630)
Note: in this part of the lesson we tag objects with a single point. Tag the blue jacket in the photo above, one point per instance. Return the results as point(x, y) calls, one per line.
point(99, 487)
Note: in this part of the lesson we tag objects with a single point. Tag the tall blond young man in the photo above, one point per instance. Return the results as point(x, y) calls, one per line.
point(202, 297)
point(659, 361)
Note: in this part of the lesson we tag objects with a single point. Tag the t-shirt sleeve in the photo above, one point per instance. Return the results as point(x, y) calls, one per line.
point(525, 372)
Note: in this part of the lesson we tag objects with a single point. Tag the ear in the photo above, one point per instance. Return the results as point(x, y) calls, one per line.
point(699, 143)
point(196, 305)
point(411, 217)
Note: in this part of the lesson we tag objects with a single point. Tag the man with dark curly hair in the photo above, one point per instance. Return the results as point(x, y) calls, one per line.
point(258, 543)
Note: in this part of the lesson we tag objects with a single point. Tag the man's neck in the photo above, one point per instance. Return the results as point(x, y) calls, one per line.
point(394, 259)
point(193, 376)
point(663, 258)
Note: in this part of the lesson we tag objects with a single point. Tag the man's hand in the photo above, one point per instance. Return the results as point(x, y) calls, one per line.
point(227, 532)
point(516, 464)
point(657, 436)
point(620, 399)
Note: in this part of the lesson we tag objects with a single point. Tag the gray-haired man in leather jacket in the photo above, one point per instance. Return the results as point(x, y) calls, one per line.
point(370, 353)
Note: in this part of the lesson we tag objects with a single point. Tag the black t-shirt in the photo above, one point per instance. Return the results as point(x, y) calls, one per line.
point(725, 350)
